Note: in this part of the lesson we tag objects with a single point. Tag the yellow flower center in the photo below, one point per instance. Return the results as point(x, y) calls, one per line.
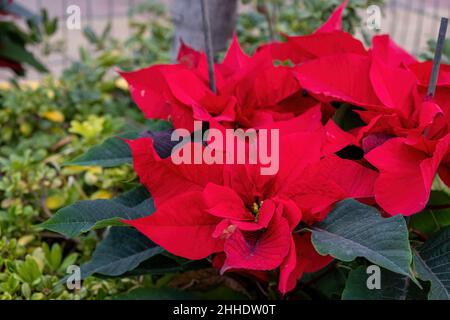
point(256, 206)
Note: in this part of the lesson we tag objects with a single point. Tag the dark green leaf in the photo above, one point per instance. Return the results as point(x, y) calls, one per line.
point(122, 250)
point(156, 294)
point(394, 286)
point(329, 283)
point(346, 118)
point(90, 35)
point(354, 230)
point(15, 52)
point(219, 293)
point(163, 264)
point(112, 152)
point(431, 220)
point(82, 216)
point(432, 263)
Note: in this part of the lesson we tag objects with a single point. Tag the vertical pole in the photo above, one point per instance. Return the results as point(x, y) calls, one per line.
point(437, 58)
point(208, 44)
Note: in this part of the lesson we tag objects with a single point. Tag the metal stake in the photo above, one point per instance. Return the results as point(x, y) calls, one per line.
point(208, 44)
point(437, 58)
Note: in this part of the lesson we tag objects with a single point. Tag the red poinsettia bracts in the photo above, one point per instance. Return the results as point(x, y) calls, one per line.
point(334, 22)
point(251, 91)
point(392, 105)
point(388, 86)
point(252, 218)
point(255, 223)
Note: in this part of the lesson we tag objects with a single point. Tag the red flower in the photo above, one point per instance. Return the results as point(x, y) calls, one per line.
point(420, 125)
point(206, 209)
point(329, 39)
point(251, 91)
point(334, 22)
point(389, 87)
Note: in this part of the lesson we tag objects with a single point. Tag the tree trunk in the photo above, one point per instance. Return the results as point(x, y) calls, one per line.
point(187, 18)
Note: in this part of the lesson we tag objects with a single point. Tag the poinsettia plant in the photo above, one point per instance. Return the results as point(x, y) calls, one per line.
point(360, 187)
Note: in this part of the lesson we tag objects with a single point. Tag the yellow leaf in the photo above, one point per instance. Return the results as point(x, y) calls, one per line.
point(79, 169)
point(102, 194)
point(25, 129)
point(54, 116)
point(32, 84)
point(5, 86)
point(55, 202)
point(122, 84)
point(23, 241)
point(39, 256)
point(50, 94)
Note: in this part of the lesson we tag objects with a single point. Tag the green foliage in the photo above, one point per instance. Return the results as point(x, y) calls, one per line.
point(44, 126)
point(82, 216)
point(435, 217)
point(111, 153)
point(429, 53)
point(383, 241)
point(150, 40)
point(15, 41)
point(156, 294)
point(393, 286)
point(269, 18)
point(122, 250)
point(432, 262)
point(36, 276)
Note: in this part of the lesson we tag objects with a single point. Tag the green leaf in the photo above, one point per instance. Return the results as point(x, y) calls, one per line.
point(432, 263)
point(354, 230)
point(68, 261)
point(83, 216)
point(90, 35)
point(112, 152)
point(346, 118)
point(54, 256)
point(394, 286)
point(219, 293)
point(329, 282)
point(431, 220)
point(28, 270)
point(15, 52)
point(122, 250)
point(156, 294)
point(163, 264)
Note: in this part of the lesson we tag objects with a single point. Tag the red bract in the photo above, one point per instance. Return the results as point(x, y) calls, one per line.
point(251, 91)
point(393, 106)
point(389, 86)
point(233, 209)
point(334, 22)
point(421, 124)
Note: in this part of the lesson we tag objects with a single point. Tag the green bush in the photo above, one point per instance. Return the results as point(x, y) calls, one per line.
point(270, 18)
